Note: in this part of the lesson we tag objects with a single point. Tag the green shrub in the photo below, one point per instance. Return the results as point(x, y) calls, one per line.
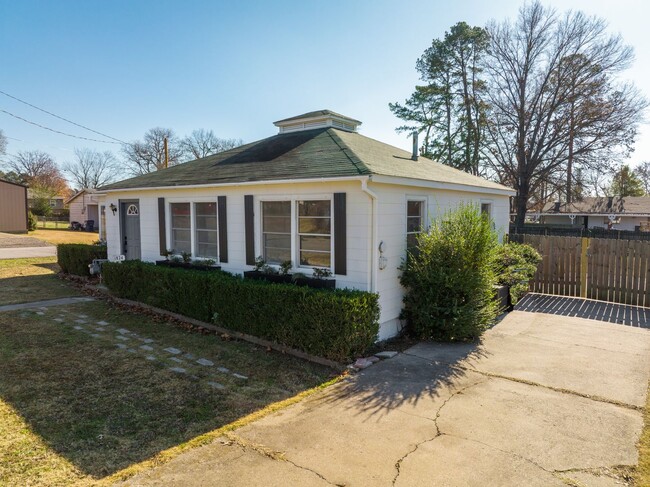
point(74, 258)
point(515, 266)
point(41, 206)
point(337, 324)
point(449, 277)
point(32, 221)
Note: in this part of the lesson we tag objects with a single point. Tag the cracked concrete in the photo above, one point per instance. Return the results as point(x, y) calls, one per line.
point(542, 400)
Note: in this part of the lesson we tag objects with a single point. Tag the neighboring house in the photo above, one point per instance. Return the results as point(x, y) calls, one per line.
point(318, 194)
point(84, 206)
point(630, 213)
point(56, 202)
point(13, 207)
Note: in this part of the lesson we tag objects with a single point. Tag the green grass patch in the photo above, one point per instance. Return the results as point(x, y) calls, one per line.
point(76, 409)
point(25, 280)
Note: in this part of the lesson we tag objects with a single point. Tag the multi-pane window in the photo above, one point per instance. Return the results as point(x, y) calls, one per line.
point(205, 229)
point(414, 222)
point(181, 240)
point(314, 233)
point(276, 231)
point(486, 209)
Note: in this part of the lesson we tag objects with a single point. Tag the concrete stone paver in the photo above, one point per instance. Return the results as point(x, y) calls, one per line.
point(47, 303)
point(543, 400)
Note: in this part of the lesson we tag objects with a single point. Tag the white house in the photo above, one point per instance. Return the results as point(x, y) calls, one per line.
point(318, 193)
point(84, 206)
point(631, 213)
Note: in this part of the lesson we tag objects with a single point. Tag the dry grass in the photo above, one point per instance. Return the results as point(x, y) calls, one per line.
point(75, 409)
point(643, 470)
point(64, 236)
point(25, 280)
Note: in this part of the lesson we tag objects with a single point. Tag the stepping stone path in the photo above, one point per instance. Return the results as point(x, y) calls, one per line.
point(123, 335)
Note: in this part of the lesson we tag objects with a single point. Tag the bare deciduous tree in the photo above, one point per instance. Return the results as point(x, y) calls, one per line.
point(40, 172)
point(3, 143)
point(202, 143)
point(148, 155)
point(92, 169)
point(541, 103)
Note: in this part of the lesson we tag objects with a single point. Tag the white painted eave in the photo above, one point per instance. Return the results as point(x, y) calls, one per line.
point(422, 183)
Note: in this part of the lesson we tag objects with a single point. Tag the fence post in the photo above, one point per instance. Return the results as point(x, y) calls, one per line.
point(583, 266)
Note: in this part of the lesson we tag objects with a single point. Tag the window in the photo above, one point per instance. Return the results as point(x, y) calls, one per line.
point(276, 231)
point(314, 233)
point(180, 225)
point(486, 209)
point(205, 224)
point(414, 222)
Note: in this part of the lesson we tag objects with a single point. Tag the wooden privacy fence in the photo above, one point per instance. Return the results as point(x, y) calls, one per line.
point(608, 270)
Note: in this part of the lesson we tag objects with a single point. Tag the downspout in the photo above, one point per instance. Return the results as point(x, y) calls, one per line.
point(374, 270)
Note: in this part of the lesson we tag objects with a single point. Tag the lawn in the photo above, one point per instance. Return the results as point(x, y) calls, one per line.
point(25, 280)
point(643, 470)
point(89, 390)
point(64, 236)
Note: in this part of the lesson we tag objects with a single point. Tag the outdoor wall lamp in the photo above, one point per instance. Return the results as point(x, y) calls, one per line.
point(113, 208)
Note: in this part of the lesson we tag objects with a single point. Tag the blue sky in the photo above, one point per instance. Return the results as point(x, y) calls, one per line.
point(122, 67)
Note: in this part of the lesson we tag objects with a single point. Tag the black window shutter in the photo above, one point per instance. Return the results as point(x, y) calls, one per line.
point(249, 223)
point(223, 229)
point(162, 231)
point(340, 237)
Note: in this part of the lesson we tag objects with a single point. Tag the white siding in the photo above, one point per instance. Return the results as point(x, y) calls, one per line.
point(628, 223)
point(392, 231)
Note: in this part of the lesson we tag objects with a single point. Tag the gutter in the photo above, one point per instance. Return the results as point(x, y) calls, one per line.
point(373, 266)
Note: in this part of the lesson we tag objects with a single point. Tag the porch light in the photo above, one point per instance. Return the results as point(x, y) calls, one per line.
point(113, 208)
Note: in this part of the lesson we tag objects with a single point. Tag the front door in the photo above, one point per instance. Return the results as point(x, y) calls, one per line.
point(130, 213)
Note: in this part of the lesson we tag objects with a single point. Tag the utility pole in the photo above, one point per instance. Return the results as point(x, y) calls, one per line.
point(166, 153)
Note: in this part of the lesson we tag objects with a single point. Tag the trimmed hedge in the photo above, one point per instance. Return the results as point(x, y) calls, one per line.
point(337, 324)
point(74, 258)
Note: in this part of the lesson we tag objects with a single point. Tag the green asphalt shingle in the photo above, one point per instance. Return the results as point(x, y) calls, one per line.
point(308, 154)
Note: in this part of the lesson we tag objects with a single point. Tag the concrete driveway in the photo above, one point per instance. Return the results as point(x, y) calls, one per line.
point(543, 400)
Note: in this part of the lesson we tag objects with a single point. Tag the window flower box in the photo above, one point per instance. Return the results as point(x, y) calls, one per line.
point(187, 265)
point(312, 282)
point(265, 276)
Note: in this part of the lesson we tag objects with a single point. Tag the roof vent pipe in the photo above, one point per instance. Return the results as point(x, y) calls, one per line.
point(414, 155)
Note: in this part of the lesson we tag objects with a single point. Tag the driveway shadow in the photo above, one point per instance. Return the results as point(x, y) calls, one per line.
point(585, 308)
point(424, 372)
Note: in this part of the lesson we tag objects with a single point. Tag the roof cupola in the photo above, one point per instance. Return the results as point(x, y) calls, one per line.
point(317, 119)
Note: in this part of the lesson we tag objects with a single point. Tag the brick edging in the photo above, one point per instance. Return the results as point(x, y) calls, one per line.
point(209, 326)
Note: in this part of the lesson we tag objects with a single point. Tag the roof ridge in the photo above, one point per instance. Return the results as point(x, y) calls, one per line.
point(356, 161)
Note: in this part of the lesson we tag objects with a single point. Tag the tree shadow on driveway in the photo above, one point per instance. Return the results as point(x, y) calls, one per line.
point(424, 372)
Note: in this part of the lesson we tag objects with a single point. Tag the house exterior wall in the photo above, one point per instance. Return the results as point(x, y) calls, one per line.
point(362, 262)
point(13, 208)
point(392, 202)
point(84, 207)
point(628, 223)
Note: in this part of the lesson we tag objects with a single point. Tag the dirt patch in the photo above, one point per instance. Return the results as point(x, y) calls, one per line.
point(9, 241)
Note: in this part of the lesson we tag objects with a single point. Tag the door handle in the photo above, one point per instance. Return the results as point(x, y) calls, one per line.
point(125, 244)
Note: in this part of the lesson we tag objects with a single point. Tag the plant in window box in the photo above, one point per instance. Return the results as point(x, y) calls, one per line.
point(318, 279)
point(184, 261)
point(264, 272)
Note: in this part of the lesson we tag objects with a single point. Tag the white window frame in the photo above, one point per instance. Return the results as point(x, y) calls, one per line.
point(491, 208)
point(295, 244)
point(297, 235)
point(193, 242)
point(425, 214)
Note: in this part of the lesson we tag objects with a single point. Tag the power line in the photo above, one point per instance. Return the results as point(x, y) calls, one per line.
point(61, 118)
point(56, 131)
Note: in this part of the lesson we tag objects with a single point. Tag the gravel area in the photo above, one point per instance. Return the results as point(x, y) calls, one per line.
point(10, 241)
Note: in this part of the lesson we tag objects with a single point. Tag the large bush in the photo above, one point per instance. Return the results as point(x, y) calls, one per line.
point(336, 324)
point(32, 221)
point(515, 266)
point(449, 277)
point(41, 206)
point(74, 258)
